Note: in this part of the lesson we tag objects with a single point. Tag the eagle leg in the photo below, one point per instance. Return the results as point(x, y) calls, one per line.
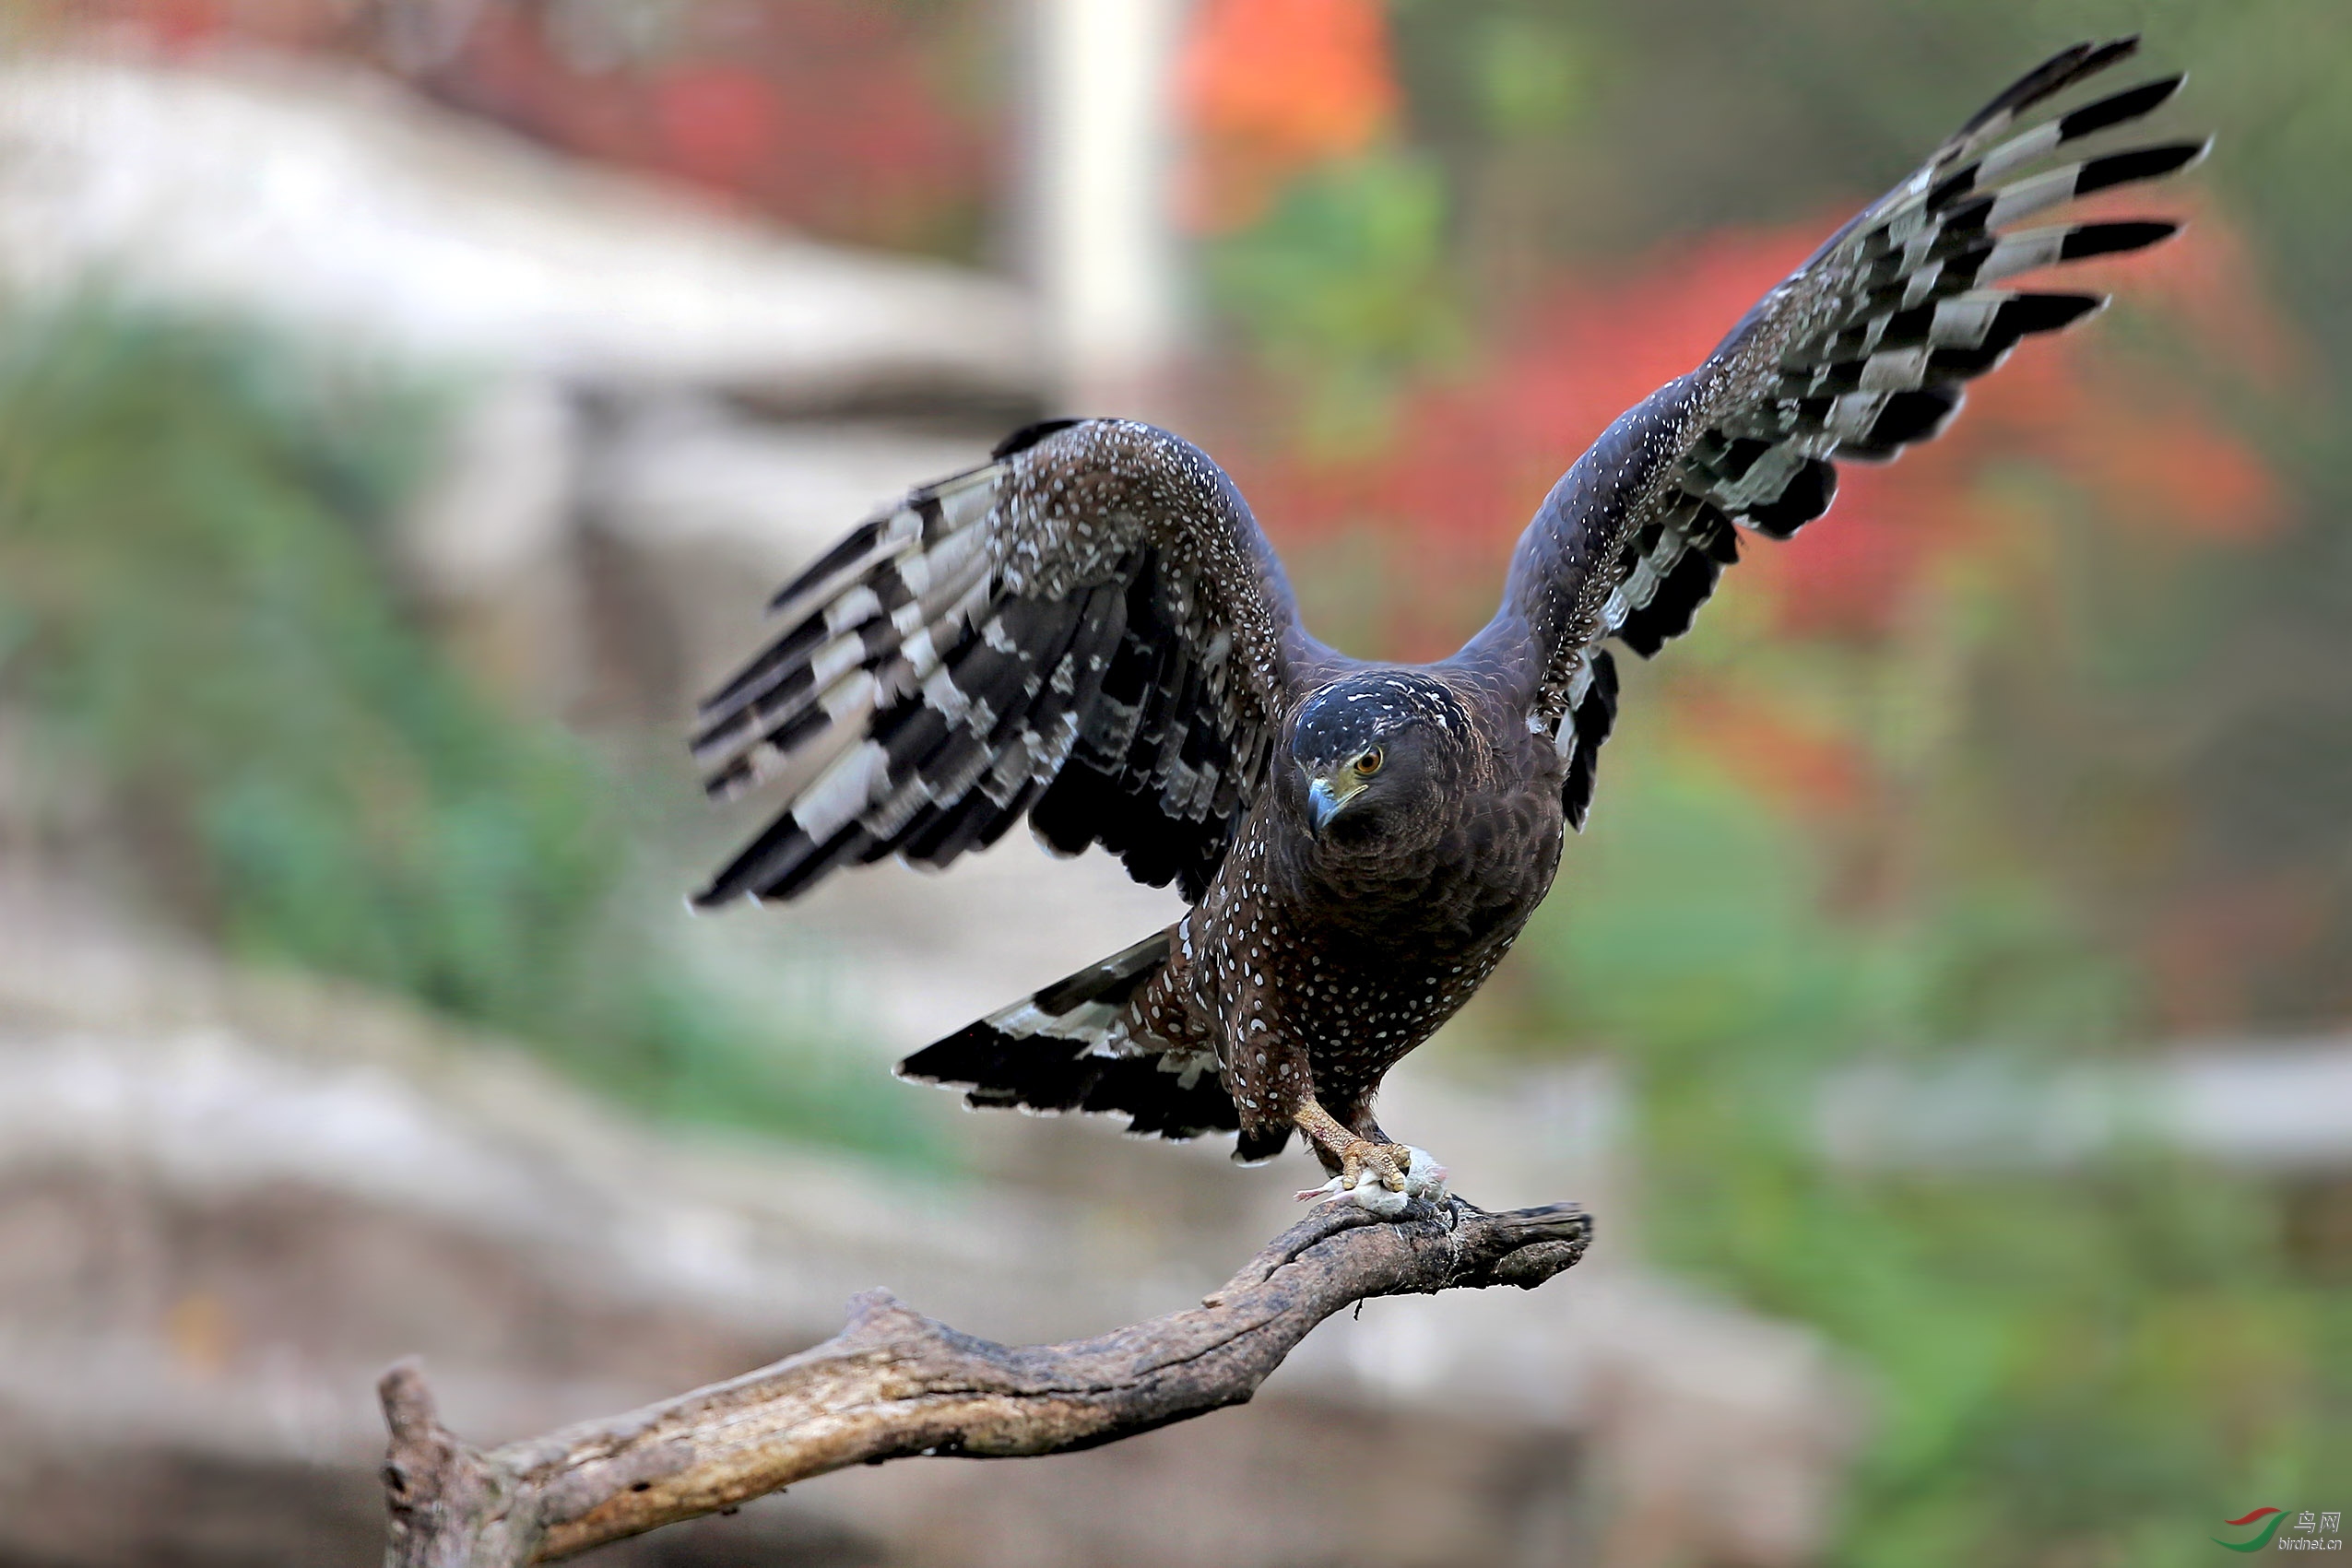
point(1370, 1130)
point(1334, 1140)
point(1398, 1172)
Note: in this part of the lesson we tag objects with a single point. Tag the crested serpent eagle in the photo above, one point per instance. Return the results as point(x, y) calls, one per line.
point(1089, 630)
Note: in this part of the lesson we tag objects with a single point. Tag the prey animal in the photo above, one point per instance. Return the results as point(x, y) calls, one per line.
point(1089, 630)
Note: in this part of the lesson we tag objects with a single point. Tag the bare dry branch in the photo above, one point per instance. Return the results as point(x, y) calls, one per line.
point(893, 1383)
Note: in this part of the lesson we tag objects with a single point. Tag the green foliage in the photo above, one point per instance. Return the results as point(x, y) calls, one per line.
point(196, 627)
point(1530, 78)
point(1340, 289)
point(2065, 1366)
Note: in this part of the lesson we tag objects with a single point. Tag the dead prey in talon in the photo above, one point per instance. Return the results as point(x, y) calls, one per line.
point(1422, 1177)
point(1373, 1173)
point(1091, 631)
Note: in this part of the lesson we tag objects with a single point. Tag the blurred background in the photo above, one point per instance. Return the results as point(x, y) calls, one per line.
point(407, 405)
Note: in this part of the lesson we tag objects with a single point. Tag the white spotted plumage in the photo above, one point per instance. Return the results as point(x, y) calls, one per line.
point(1091, 631)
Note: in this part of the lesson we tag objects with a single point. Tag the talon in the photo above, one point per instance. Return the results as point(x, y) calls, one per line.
point(1364, 1155)
point(1402, 1172)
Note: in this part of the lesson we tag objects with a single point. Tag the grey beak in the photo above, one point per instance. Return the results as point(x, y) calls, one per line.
point(1323, 803)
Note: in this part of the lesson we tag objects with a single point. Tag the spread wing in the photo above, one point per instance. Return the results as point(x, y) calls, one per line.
point(1090, 629)
point(1860, 353)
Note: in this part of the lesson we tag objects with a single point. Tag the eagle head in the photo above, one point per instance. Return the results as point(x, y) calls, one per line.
point(1375, 752)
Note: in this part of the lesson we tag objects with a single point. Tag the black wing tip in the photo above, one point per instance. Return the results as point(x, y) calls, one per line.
point(1914, 415)
point(1806, 496)
point(1600, 701)
point(2139, 163)
point(2035, 313)
point(1906, 418)
point(2131, 103)
point(2117, 239)
point(2114, 51)
point(732, 883)
point(732, 880)
point(842, 551)
point(947, 1062)
point(1674, 605)
point(2054, 74)
point(780, 864)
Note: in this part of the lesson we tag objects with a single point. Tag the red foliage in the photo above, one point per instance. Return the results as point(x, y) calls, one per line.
point(179, 25)
point(1272, 87)
point(718, 122)
point(822, 112)
point(825, 113)
point(1470, 458)
point(1799, 764)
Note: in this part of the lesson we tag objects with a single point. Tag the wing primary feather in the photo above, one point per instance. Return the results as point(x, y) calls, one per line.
point(1096, 604)
point(2045, 81)
point(821, 643)
point(2019, 151)
point(2131, 103)
point(1005, 681)
point(852, 552)
point(882, 650)
point(2039, 192)
point(1862, 352)
point(942, 764)
point(1594, 716)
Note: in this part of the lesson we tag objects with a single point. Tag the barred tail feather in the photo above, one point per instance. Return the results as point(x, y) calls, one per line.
point(1070, 1048)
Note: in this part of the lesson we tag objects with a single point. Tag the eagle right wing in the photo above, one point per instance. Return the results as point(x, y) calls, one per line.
point(1857, 354)
point(1090, 629)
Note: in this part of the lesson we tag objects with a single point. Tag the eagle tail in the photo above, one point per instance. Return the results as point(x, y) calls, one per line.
point(1068, 1048)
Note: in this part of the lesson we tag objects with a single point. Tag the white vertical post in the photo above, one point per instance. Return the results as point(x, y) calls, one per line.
point(1104, 250)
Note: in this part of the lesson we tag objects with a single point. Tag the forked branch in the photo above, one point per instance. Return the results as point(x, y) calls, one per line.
point(895, 1384)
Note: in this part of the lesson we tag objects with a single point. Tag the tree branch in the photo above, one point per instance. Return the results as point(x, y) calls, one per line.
point(895, 1384)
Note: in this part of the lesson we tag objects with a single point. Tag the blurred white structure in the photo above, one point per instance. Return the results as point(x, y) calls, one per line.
point(1103, 171)
point(2276, 1106)
point(336, 203)
point(576, 309)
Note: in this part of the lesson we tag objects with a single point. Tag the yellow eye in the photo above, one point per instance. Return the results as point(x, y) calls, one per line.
point(1369, 763)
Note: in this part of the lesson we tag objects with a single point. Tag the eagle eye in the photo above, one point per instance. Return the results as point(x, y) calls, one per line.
point(1368, 763)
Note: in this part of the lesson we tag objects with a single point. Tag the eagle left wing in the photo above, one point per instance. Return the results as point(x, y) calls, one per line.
point(1859, 353)
point(1090, 629)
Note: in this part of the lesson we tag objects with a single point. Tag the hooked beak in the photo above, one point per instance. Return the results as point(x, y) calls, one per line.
point(1325, 798)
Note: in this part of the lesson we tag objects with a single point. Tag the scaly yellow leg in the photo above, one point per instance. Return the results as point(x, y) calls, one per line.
point(1354, 1154)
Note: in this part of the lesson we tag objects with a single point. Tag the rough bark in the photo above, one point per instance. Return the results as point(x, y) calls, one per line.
point(895, 1384)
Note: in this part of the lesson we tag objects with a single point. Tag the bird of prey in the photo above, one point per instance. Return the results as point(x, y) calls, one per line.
point(1091, 631)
